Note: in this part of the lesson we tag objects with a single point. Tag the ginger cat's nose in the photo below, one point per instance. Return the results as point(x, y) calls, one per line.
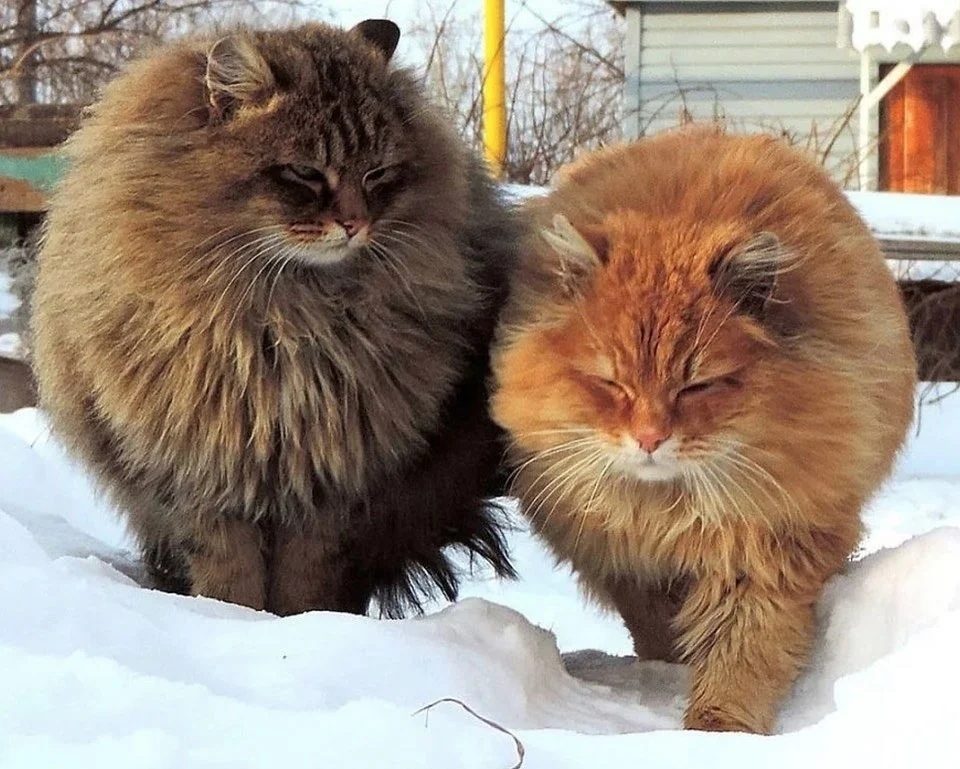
point(651, 438)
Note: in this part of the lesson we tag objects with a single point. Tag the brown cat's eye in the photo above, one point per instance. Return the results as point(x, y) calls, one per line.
point(296, 173)
point(378, 176)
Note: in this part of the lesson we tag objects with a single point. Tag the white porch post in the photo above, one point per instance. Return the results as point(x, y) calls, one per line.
point(865, 159)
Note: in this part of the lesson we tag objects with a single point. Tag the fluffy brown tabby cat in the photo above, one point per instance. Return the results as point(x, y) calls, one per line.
point(706, 371)
point(265, 300)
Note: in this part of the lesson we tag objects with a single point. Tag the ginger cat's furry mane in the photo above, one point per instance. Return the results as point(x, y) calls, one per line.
point(706, 370)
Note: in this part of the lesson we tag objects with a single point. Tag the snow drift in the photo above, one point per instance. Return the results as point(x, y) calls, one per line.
point(98, 671)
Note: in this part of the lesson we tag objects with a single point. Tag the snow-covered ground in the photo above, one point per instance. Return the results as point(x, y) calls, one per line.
point(10, 343)
point(8, 302)
point(96, 671)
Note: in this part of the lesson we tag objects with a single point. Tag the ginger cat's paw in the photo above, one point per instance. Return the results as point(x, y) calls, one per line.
point(714, 719)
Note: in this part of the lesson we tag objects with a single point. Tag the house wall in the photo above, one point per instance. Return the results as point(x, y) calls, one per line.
point(759, 66)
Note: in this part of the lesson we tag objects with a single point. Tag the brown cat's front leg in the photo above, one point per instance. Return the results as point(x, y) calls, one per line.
point(309, 571)
point(226, 562)
point(746, 644)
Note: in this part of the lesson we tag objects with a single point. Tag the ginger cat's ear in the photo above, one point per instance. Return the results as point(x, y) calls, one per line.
point(236, 74)
point(748, 274)
point(580, 253)
point(382, 34)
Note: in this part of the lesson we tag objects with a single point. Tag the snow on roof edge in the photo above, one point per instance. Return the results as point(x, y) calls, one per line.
point(865, 24)
point(890, 215)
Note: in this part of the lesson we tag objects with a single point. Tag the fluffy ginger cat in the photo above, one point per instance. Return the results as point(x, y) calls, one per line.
point(706, 371)
point(265, 300)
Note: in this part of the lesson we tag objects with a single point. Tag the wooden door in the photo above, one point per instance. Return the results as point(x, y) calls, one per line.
point(920, 131)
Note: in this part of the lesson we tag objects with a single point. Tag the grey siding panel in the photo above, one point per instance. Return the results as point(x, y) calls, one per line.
point(776, 70)
point(720, 71)
point(740, 20)
point(759, 53)
point(822, 89)
point(692, 35)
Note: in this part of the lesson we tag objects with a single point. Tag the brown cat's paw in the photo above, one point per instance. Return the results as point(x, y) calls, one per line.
point(712, 719)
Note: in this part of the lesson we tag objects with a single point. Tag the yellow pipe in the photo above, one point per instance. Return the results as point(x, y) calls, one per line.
point(494, 86)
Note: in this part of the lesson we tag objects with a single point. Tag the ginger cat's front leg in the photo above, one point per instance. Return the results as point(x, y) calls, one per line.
point(745, 642)
point(648, 610)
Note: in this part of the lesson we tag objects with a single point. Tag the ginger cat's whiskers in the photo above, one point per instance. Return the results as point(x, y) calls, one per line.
point(561, 471)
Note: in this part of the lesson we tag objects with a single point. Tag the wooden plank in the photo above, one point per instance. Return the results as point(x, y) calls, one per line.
point(18, 195)
point(37, 125)
point(891, 136)
point(927, 146)
point(951, 134)
point(921, 142)
point(920, 249)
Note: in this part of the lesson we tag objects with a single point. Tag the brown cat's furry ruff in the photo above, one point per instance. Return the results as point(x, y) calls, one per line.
point(705, 378)
point(266, 293)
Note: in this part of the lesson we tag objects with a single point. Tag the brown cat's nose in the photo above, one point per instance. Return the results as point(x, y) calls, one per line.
point(352, 226)
point(651, 438)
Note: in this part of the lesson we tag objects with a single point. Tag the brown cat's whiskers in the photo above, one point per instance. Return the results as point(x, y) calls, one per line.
point(410, 237)
point(261, 247)
point(223, 259)
point(394, 263)
point(258, 246)
point(286, 256)
point(410, 240)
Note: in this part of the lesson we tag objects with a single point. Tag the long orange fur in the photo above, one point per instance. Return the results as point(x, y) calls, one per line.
point(783, 417)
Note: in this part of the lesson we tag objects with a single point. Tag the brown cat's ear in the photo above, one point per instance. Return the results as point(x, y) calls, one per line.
point(381, 34)
point(236, 74)
point(748, 274)
point(579, 252)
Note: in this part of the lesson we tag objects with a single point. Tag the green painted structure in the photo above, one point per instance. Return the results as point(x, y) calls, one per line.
point(39, 171)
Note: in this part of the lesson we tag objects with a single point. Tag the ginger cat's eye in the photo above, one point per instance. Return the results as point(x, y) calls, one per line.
point(705, 385)
point(610, 385)
point(699, 387)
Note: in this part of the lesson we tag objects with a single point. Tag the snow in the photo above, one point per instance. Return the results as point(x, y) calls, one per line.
point(904, 216)
point(8, 302)
point(100, 672)
point(889, 215)
point(889, 23)
point(11, 346)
